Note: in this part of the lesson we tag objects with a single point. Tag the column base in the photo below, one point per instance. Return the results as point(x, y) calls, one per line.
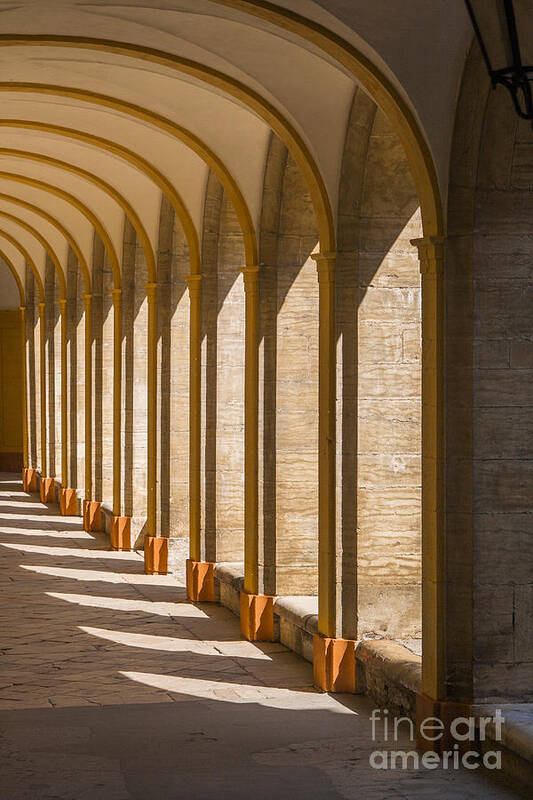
point(120, 533)
point(156, 555)
point(200, 581)
point(92, 516)
point(334, 664)
point(257, 617)
point(29, 480)
point(47, 490)
point(68, 502)
point(446, 712)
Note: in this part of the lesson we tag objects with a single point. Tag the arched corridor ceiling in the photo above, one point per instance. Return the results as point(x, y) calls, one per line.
point(107, 106)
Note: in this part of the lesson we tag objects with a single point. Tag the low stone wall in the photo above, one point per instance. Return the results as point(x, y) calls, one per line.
point(386, 670)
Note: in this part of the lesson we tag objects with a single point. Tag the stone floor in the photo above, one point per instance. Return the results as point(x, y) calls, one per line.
point(114, 687)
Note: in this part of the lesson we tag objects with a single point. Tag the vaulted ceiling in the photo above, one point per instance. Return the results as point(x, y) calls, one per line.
point(107, 106)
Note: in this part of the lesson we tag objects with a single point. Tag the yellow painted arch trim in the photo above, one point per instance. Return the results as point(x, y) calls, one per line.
point(16, 276)
point(380, 89)
point(105, 187)
point(43, 242)
point(139, 162)
point(55, 222)
point(29, 260)
point(87, 213)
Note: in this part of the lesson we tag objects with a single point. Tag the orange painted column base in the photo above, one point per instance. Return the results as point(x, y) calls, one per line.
point(29, 479)
point(257, 617)
point(334, 664)
point(47, 490)
point(431, 736)
point(68, 502)
point(120, 534)
point(156, 555)
point(200, 581)
point(92, 515)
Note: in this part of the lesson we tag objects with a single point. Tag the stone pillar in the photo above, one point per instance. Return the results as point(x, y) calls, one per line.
point(257, 610)
point(92, 514)
point(25, 477)
point(68, 501)
point(200, 574)
point(430, 250)
point(120, 533)
point(333, 657)
point(155, 547)
point(46, 484)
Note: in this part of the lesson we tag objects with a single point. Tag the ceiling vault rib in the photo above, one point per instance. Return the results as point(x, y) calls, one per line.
point(58, 225)
point(104, 186)
point(29, 260)
point(87, 213)
point(45, 244)
point(139, 162)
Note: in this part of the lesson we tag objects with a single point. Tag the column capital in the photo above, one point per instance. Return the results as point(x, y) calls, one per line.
point(250, 276)
point(87, 296)
point(430, 253)
point(62, 301)
point(194, 283)
point(325, 266)
point(151, 288)
point(22, 308)
point(41, 306)
point(116, 295)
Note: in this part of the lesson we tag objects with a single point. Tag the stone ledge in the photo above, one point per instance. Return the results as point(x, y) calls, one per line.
point(300, 610)
point(390, 674)
point(298, 622)
point(229, 581)
point(517, 730)
point(394, 660)
point(516, 744)
point(386, 670)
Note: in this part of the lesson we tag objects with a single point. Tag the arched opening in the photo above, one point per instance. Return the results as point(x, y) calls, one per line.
point(10, 372)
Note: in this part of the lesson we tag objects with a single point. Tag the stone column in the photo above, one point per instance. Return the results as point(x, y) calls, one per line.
point(430, 250)
point(68, 500)
point(46, 484)
point(257, 610)
point(29, 473)
point(334, 657)
point(92, 514)
point(120, 533)
point(25, 464)
point(200, 574)
point(155, 547)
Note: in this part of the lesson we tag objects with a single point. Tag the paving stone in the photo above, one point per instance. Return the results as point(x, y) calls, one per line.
point(113, 687)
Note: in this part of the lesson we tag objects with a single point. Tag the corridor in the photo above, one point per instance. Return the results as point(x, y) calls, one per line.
point(114, 687)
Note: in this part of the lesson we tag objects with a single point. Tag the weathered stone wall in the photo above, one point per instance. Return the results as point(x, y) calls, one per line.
point(223, 378)
point(389, 394)
point(379, 382)
point(76, 373)
point(33, 391)
point(173, 357)
point(135, 380)
point(489, 375)
point(289, 380)
point(53, 370)
point(102, 335)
